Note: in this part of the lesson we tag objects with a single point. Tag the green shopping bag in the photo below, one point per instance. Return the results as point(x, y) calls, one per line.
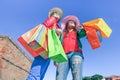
point(55, 49)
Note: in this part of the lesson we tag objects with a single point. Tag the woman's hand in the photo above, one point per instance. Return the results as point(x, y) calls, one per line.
point(58, 31)
point(80, 27)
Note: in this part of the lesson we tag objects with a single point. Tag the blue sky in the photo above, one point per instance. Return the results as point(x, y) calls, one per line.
point(18, 16)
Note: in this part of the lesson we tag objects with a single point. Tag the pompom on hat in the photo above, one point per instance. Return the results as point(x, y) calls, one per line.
point(68, 18)
point(56, 10)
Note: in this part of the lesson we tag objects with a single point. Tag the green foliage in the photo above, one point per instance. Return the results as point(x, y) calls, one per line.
point(97, 77)
point(87, 78)
point(94, 77)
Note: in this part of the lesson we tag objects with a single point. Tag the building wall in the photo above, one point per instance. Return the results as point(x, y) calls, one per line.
point(14, 64)
point(116, 78)
point(113, 78)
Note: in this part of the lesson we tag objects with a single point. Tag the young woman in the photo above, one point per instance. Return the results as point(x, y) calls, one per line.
point(72, 32)
point(39, 64)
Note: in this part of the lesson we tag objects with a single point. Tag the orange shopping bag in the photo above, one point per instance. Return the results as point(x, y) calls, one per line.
point(92, 37)
point(100, 25)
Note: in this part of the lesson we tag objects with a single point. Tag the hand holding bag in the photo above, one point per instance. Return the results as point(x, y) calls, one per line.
point(56, 51)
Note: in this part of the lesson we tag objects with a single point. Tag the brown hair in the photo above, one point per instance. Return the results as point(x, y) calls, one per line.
point(66, 27)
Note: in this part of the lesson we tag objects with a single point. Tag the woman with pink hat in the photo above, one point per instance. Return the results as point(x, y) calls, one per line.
point(72, 32)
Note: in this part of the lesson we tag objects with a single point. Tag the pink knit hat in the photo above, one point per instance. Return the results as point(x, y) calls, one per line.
point(68, 18)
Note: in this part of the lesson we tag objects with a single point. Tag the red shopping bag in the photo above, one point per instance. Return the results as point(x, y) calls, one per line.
point(92, 37)
point(33, 52)
point(100, 25)
point(35, 42)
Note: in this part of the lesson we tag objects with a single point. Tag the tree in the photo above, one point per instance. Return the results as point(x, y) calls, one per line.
point(87, 78)
point(97, 77)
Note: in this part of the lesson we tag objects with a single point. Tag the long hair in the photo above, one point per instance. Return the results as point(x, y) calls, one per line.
point(66, 27)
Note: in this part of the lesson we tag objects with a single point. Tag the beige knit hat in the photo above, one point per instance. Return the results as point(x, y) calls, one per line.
point(56, 10)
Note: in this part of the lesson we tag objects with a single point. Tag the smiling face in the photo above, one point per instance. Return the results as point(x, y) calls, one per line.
point(70, 25)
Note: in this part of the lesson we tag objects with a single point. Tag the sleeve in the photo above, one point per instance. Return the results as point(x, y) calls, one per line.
point(56, 26)
point(50, 22)
point(81, 33)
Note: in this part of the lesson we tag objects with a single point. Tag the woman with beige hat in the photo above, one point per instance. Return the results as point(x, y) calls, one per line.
point(39, 64)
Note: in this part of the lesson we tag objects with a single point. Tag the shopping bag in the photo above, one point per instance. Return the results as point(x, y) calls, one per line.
point(101, 25)
point(36, 42)
point(27, 47)
point(27, 36)
point(40, 37)
point(39, 49)
point(55, 48)
point(99, 36)
point(92, 37)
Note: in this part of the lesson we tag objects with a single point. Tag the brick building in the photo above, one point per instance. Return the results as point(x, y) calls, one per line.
point(14, 64)
point(113, 78)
